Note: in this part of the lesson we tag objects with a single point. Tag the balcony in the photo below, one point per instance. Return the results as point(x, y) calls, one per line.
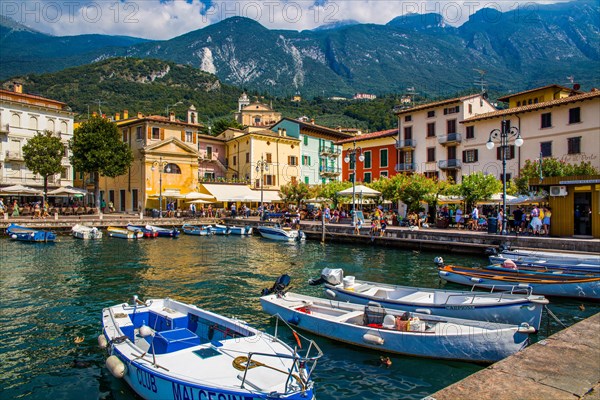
point(451, 138)
point(406, 144)
point(329, 151)
point(450, 164)
point(13, 156)
point(405, 167)
point(329, 171)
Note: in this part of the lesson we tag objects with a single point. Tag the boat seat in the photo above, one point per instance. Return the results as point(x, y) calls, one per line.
point(418, 297)
point(348, 316)
point(174, 340)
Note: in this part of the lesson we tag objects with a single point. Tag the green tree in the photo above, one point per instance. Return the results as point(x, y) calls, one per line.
point(414, 189)
point(330, 191)
point(550, 167)
point(477, 187)
point(99, 150)
point(43, 155)
point(295, 192)
point(221, 125)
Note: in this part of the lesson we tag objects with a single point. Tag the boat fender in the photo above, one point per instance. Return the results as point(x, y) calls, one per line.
point(146, 331)
point(295, 320)
point(116, 367)
point(526, 328)
point(523, 285)
point(476, 280)
point(330, 293)
point(444, 273)
point(423, 311)
point(373, 339)
point(102, 341)
point(13, 236)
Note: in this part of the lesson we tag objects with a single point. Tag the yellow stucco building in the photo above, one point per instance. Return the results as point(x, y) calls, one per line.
point(165, 161)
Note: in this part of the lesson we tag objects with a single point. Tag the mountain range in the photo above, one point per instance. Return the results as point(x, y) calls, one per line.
point(515, 50)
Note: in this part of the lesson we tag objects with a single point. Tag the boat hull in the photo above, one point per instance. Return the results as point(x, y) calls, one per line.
point(463, 340)
point(583, 266)
point(240, 230)
point(86, 232)
point(468, 305)
point(220, 230)
point(164, 232)
point(23, 234)
point(122, 233)
point(280, 234)
point(197, 230)
point(588, 289)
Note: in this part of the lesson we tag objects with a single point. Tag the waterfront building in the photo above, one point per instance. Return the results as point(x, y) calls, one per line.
point(379, 151)
point(245, 148)
point(320, 155)
point(255, 113)
point(166, 162)
point(22, 116)
point(564, 127)
point(431, 136)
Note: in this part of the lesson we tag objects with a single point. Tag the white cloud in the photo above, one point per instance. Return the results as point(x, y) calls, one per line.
point(154, 19)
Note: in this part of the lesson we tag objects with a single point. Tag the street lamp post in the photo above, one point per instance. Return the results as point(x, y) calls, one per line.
point(350, 159)
point(160, 164)
point(262, 166)
point(503, 136)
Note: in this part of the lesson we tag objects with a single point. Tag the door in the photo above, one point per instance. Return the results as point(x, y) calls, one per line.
point(122, 200)
point(583, 214)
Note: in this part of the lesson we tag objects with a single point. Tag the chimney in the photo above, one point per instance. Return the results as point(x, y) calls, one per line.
point(18, 88)
point(279, 130)
point(117, 116)
point(140, 115)
point(284, 132)
point(125, 114)
point(312, 121)
point(171, 116)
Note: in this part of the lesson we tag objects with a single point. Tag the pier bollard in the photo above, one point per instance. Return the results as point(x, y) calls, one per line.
point(6, 216)
point(56, 216)
point(141, 215)
point(100, 215)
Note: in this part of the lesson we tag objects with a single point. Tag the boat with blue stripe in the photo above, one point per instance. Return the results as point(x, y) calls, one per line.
point(24, 234)
point(282, 234)
point(203, 230)
point(166, 349)
point(164, 232)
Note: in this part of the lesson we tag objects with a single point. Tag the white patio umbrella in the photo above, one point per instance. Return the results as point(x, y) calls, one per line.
point(197, 196)
point(67, 191)
point(360, 190)
point(201, 201)
point(497, 199)
point(21, 190)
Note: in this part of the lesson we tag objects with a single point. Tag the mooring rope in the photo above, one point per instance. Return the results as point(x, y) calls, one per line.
point(550, 313)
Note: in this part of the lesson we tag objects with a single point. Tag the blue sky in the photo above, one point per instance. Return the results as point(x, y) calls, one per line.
point(164, 19)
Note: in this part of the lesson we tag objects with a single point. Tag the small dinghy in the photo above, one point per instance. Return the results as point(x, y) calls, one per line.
point(507, 308)
point(164, 232)
point(282, 234)
point(124, 233)
point(549, 260)
point(147, 233)
point(24, 234)
point(86, 232)
point(221, 229)
point(197, 230)
point(393, 331)
point(165, 349)
point(241, 230)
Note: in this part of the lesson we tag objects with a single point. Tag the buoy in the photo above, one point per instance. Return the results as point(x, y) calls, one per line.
point(330, 293)
point(373, 339)
point(116, 366)
point(102, 342)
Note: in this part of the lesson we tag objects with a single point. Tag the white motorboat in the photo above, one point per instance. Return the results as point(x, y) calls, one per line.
point(282, 234)
point(86, 232)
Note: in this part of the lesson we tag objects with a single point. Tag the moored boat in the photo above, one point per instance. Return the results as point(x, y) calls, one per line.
point(583, 262)
point(282, 234)
point(203, 230)
point(392, 331)
point(241, 230)
point(167, 349)
point(507, 308)
point(581, 287)
point(220, 229)
point(124, 233)
point(147, 233)
point(164, 232)
point(24, 234)
point(86, 232)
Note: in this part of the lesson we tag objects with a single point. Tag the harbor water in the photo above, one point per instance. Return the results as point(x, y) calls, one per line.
point(52, 296)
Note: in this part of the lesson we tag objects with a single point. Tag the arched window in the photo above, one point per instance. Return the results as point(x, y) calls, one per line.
point(15, 120)
point(63, 127)
point(172, 169)
point(33, 123)
point(51, 125)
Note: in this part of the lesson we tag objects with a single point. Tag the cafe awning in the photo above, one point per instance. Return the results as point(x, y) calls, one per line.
point(227, 193)
point(21, 190)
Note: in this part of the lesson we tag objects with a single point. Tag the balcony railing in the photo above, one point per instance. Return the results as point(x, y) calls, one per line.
point(450, 138)
point(450, 164)
point(329, 171)
point(328, 151)
point(14, 155)
point(406, 144)
point(405, 167)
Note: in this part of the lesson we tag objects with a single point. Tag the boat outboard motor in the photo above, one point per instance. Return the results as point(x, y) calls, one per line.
point(439, 262)
point(279, 286)
point(333, 276)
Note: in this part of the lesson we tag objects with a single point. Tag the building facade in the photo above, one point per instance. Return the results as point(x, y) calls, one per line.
point(320, 155)
point(379, 151)
point(165, 166)
point(22, 116)
point(255, 113)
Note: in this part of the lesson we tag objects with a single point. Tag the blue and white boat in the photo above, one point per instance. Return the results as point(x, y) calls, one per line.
point(165, 349)
point(584, 262)
point(220, 229)
point(124, 233)
point(147, 233)
point(86, 232)
point(581, 287)
point(282, 234)
point(501, 307)
point(164, 232)
point(197, 230)
point(392, 331)
point(241, 230)
point(24, 234)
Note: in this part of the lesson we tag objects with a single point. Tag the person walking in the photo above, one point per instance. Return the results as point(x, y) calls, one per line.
point(535, 223)
point(546, 220)
point(475, 218)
